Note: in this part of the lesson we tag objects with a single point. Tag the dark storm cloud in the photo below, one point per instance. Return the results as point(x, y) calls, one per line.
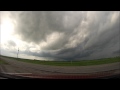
point(117, 52)
point(102, 32)
point(35, 26)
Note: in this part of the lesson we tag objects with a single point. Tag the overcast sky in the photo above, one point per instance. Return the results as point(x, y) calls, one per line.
point(60, 35)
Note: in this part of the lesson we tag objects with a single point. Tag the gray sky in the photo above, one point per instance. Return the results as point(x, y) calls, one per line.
point(60, 35)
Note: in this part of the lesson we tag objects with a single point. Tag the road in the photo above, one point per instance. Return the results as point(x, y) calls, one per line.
point(24, 68)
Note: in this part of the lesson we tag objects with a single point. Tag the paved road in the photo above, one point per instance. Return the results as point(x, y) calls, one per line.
point(18, 67)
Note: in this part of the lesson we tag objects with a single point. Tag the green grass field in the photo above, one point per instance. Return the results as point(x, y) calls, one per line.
point(68, 63)
point(2, 62)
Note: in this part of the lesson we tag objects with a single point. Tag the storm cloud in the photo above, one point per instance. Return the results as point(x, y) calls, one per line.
point(67, 34)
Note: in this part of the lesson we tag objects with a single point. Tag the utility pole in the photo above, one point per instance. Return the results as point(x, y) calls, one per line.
point(18, 53)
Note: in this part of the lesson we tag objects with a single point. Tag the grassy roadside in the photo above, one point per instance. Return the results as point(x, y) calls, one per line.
point(74, 63)
point(2, 62)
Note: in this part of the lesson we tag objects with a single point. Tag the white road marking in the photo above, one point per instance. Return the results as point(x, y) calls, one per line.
point(17, 73)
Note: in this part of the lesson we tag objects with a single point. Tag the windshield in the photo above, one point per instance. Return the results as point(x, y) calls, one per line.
point(60, 44)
